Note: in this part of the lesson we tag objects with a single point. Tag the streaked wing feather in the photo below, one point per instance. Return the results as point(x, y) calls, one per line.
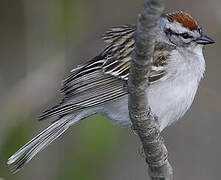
point(103, 78)
point(118, 54)
point(115, 33)
point(121, 45)
point(98, 89)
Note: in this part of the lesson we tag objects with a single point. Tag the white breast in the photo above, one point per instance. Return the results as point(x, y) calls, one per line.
point(170, 98)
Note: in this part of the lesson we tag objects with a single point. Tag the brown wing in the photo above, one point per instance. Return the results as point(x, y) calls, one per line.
point(118, 53)
point(104, 78)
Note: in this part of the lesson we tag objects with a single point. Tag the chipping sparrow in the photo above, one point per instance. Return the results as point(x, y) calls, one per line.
point(100, 85)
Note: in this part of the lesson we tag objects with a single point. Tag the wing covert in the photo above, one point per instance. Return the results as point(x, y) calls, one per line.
point(104, 78)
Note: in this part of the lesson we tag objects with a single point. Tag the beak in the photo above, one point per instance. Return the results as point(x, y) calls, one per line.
point(204, 39)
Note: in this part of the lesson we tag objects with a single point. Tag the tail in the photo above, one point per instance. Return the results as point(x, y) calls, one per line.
point(39, 142)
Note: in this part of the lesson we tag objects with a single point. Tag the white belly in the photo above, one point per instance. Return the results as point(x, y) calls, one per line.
point(169, 101)
point(170, 98)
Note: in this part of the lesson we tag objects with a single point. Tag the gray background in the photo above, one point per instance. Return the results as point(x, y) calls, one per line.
point(42, 40)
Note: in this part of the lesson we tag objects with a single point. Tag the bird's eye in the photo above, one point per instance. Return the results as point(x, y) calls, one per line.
point(185, 35)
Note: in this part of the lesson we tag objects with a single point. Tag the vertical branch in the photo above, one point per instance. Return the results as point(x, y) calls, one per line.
point(143, 120)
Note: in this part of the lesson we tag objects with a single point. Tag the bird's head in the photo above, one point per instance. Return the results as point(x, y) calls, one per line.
point(182, 30)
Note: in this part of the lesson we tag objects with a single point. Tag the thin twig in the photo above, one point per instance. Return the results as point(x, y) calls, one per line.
point(143, 120)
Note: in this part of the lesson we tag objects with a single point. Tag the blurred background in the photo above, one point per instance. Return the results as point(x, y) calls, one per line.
point(41, 41)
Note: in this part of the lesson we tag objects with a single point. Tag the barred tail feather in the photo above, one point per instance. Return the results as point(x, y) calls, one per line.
point(39, 142)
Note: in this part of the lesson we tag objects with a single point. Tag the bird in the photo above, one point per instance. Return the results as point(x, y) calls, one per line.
point(100, 84)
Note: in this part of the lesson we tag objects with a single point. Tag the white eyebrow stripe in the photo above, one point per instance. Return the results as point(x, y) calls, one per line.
point(178, 28)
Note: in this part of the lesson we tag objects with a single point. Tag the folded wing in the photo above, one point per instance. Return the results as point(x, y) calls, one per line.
point(104, 78)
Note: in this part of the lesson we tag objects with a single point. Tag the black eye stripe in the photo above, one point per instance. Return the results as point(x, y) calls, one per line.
point(184, 35)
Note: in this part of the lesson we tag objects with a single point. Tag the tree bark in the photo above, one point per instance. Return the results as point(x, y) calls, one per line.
point(144, 122)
